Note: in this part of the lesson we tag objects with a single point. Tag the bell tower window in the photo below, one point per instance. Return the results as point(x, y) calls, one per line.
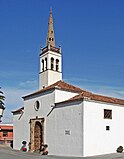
point(57, 65)
point(46, 63)
point(42, 65)
point(52, 63)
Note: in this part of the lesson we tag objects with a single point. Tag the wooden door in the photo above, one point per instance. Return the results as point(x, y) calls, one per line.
point(37, 135)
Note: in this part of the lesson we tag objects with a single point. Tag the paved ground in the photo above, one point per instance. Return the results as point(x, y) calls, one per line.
point(8, 153)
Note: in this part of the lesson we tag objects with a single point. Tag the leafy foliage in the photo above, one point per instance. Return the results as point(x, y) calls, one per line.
point(2, 98)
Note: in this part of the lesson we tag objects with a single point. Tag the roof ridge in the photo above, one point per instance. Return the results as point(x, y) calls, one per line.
point(60, 84)
point(97, 97)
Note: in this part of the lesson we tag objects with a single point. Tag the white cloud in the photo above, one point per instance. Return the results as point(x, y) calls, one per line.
point(111, 91)
point(115, 92)
point(11, 74)
point(99, 87)
point(13, 100)
point(14, 95)
point(29, 84)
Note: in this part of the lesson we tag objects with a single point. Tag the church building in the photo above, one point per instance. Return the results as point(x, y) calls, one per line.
point(70, 120)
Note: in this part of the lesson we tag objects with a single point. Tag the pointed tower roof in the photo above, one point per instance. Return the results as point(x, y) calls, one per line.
point(50, 34)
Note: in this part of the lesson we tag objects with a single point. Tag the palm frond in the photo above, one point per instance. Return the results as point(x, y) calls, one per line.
point(1, 102)
point(2, 97)
point(1, 92)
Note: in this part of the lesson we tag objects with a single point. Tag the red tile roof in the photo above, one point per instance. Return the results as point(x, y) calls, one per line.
point(82, 93)
point(59, 85)
point(6, 127)
point(96, 97)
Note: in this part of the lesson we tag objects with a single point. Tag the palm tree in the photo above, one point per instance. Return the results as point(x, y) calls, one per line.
point(2, 98)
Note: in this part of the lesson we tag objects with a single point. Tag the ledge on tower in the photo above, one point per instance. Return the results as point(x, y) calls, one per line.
point(50, 48)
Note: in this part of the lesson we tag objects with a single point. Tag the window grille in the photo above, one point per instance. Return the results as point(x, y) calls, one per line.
point(107, 114)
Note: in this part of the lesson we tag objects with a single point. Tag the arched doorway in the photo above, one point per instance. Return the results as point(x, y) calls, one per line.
point(38, 135)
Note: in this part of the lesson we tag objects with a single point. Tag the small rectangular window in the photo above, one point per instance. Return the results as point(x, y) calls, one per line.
point(107, 114)
point(107, 128)
point(5, 133)
point(67, 132)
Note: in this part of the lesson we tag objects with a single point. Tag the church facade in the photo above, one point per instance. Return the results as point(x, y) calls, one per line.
point(72, 121)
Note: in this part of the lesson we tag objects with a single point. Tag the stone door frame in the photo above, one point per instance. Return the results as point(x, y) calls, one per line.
point(32, 126)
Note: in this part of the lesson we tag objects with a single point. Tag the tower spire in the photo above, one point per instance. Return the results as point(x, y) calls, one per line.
point(50, 59)
point(50, 35)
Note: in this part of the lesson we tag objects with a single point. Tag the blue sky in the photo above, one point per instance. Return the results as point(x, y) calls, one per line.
point(90, 32)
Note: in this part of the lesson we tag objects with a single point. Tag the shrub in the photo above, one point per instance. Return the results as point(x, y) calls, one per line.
point(120, 149)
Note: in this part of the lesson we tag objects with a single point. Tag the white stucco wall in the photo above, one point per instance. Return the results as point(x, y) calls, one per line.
point(83, 120)
point(48, 77)
point(43, 79)
point(55, 56)
point(98, 140)
point(46, 99)
point(66, 118)
point(20, 131)
point(61, 95)
point(49, 55)
point(22, 125)
point(53, 76)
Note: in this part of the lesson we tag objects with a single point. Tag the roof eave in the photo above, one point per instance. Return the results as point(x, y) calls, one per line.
point(36, 93)
point(69, 101)
point(104, 102)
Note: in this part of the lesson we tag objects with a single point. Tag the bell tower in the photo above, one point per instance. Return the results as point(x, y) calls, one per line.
point(50, 59)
